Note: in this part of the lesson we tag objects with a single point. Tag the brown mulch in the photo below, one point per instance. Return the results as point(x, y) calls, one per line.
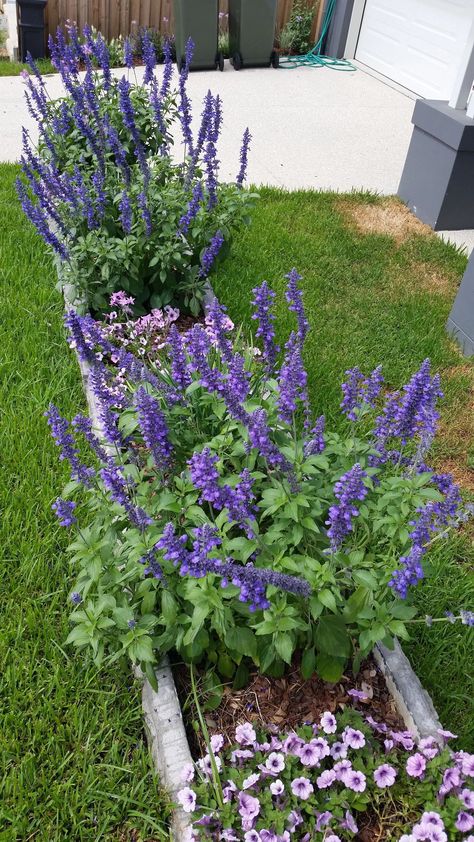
point(289, 702)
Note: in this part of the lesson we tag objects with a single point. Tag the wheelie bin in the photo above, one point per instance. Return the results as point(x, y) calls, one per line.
point(198, 20)
point(252, 33)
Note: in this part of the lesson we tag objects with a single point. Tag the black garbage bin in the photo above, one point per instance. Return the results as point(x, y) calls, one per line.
point(198, 20)
point(252, 33)
point(30, 15)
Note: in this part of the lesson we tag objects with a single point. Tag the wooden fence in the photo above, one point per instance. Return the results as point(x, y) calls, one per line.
point(120, 17)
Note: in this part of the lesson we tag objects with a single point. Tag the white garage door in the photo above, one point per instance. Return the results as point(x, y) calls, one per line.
point(417, 43)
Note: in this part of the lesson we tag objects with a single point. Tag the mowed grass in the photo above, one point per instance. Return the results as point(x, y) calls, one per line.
point(73, 761)
point(14, 68)
point(378, 288)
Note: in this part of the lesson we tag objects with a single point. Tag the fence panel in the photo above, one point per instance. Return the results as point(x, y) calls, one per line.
point(119, 17)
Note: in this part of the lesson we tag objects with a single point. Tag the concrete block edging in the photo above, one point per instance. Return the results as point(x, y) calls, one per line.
point(162, 713)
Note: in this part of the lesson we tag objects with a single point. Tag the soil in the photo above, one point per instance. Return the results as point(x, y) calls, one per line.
point(288, 702)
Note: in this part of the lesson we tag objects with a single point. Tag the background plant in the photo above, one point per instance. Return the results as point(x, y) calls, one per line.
point(295, 36)
point(257, 535)
point(105, 190)
point(326, 780)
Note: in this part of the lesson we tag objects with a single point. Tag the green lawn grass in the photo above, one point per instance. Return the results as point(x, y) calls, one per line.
point(14, 68)
point(372, 300)
point(73, 761)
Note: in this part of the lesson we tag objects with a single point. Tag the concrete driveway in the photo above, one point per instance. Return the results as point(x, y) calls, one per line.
point(311, 128)
point(322, 128)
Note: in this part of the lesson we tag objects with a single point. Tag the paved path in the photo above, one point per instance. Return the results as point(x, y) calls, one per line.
point(311, 128)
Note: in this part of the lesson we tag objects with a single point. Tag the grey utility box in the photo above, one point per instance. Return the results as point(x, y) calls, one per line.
point(437, 181)
point(252, 33)
point(461, 318)
point(198, 20)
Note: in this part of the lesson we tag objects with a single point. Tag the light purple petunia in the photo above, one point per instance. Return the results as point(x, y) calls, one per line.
point(302, 788)
point(249, 807)
point(353, 738)
point(187, 799)
point(355, 780)
point(466, 796)
point(416, 765)
point(384, 775)
point(464, 821)
point(249, 782)
point(341, 768)
point(338, 751)
point(245, 734)
point(275, 762)
point(326, 779)
point(277, 787)
point(328, 722)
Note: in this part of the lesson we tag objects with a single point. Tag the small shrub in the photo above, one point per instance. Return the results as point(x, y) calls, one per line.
point(225, 523)
point(295, 37)
point(328, 781)
point(105, 188)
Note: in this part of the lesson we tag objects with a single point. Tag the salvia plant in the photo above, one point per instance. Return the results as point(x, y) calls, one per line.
point(328, 781)
point(223, 521)
point(104, 187)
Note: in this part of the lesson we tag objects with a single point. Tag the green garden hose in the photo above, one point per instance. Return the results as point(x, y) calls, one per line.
point(314, 58)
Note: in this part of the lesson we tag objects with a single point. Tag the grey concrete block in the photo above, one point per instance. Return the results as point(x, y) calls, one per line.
point(437, 182)
point(412, 701)
point(461, 319)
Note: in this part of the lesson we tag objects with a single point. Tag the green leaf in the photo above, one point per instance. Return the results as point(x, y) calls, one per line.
point(402, 611)
point(284, 645)
point(327, 598)
point(241, 677)
point(331, 636)
point(151, 675)
point(242, 640)
point(329, 668)
point(308, 663)
point(316, 607)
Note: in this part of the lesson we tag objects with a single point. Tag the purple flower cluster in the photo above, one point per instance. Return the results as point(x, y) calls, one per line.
point(238, 500)
point(63, 438)
point(153, 427)
point(410, 413)
point(292, 380)
point(263, 302)
point(64, 511)
point(349, 488)
point(244, 153)
point(209, 254)
point(119, 489)
point(359, 391)
point(251, 581)
point(284, 786)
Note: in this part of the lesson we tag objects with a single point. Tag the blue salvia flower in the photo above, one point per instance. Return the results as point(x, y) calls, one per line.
point(128, 117)
point(153, 427)
point(184, 107)
point(205, 477)
point(149, 57)
point(244, 153)
point(179, 366)
point(153, 566)
point(125, 212)
point(118, 488)
point(78, 339)
point(84, 197)
point(117, 149)
point(210, 253)
point(60, 431)
point(168, 69)
point(212, 167)
point(250, 580)
point(315, 444)
point(192, 209)
point(294, 297)
point(40, 221)
point(410, 573)
point(347, 490)
point(205, 130)
point(128, 53)
point(64, 511)
point(101, 52)
point(263, 302)
point(83, 425)
point(238, 378)
point(218, 323)
point(106, 399)
point(98, 182)
point(216, 122)
point(292, 380)
point(156, 104)
point(145, 213)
